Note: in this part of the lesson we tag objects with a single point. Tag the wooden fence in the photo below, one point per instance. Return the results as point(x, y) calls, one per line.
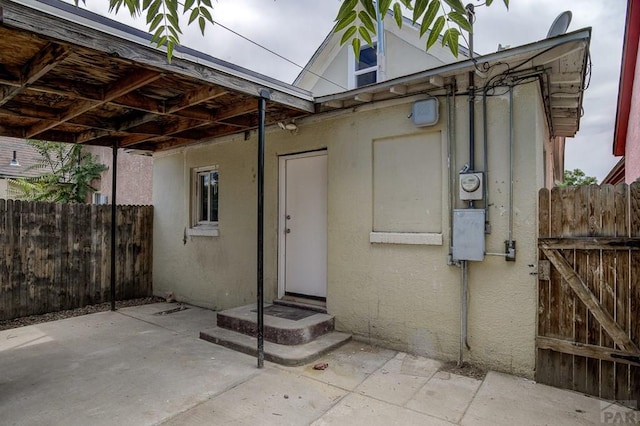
point(57, 256)
point(589, 290)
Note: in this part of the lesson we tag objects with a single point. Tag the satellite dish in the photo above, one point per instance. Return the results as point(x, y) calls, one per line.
point(560, 25)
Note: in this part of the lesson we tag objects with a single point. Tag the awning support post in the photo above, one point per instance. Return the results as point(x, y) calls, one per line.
point(262, 104)
point(114, 173)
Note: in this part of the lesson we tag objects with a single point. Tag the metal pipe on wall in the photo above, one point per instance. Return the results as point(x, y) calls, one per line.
point(114, 176)
point(511, 141)
point(485, 144)
point(262, 105)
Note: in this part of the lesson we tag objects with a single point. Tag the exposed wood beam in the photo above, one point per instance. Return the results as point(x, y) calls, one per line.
point(132, 81)
point(334, 104)
point(40, 64)
point(140, 103)
point(363, 97)
point(400, 89)
point(194, 97)
point(565, 78)
point(565, 103)
point(437, 80)
point(121, 127)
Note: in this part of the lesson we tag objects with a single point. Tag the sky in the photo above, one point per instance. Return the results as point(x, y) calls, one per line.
point(295, 28)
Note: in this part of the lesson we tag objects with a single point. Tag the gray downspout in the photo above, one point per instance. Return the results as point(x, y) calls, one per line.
point(485, 143)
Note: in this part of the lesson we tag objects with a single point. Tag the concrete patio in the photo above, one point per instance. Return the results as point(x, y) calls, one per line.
point(135, 367)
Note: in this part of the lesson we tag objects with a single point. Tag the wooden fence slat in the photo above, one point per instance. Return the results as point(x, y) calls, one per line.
point(57, 256)
point(608, 288)
point(578, 286)
point(543, 369)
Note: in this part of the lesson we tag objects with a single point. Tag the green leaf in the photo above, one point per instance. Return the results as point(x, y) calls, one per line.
point(355, 44)
point(432, 11)
point(397, 14)
point(488, 2)
point(384, 7)
point(206, 14)
point(207, 3)
point(348, 20)
point(152, 12)
point(174, 23)
point(506, 3)
point(407, 4)
point(461, 20)
point(156, 36)
point(194, 15)
point(451, 37)
point(202, 23)
point(156, 21)
point(348, 34)
point(365, 35)
point(435, 31)
point(456, 5)
point(188, 4)
point(367, 21)
point(369, 7)
point(420, 7)
point(170, 47)
point(347, 7)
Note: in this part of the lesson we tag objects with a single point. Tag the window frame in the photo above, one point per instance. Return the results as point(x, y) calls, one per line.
point(354, 73)
point(203, 227)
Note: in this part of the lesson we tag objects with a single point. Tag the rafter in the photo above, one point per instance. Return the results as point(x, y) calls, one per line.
point(194, 97)
point(40, 64)
point(132, 81)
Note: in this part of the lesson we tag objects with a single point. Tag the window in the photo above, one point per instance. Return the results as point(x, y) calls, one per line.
point(98, 198)
point(205, 201)
point(365, 70)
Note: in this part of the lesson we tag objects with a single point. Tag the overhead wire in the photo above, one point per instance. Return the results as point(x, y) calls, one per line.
point(303, 68)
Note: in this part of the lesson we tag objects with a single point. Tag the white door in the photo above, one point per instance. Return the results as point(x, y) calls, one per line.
point(303, 225)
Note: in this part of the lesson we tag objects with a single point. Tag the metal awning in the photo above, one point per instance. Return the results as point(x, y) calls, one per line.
point(69, 75)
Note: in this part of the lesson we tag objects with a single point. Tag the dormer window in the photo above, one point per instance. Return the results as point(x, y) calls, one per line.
point(365, 70)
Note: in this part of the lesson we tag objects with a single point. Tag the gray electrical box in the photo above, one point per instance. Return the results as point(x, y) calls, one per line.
point(468, 234)
point(425, 113)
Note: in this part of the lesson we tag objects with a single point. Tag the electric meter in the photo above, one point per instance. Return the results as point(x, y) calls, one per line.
point(471, 186)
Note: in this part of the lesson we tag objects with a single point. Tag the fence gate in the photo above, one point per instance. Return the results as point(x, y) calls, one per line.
point(589, 290)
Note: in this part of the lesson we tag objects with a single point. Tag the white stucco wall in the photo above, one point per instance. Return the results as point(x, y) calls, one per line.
point(401, 296)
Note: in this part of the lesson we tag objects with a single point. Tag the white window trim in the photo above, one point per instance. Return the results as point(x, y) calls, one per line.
point(353, 74)
point(200, 228)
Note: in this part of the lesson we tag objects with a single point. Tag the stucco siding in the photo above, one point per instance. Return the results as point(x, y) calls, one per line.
point(134, 180)
point(632, 147)
point(403, 296)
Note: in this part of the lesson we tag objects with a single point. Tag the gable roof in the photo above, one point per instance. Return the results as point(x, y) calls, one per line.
point(70, 75)
point(333, 38)
point(559, 64)
point(627, 74)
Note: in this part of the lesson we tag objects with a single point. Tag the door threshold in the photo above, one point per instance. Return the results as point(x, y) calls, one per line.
point(302, 303)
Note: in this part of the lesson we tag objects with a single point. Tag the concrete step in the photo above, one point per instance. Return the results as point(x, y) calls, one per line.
point(280, 354)
point(284, 325)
